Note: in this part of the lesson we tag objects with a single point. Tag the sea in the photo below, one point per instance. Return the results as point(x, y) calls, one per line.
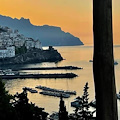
point(73, 56)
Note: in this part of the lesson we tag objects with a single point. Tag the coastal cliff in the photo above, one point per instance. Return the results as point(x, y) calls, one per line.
point(48, 35)
point(34, 56)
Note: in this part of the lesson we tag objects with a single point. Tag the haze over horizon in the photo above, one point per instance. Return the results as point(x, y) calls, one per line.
point(72, 16)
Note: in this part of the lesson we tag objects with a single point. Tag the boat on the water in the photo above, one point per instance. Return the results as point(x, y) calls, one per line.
point(30, 90)
point(93, 103)
point(115, 63)
point(118, 95)
point(77, 102)
point(54, 116)
point(90, 60)
point(8, 72)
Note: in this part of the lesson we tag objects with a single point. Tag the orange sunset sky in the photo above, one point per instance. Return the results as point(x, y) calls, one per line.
point(74, 16)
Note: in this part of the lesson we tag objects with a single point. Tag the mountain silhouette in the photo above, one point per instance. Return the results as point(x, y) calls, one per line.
point(48, 35)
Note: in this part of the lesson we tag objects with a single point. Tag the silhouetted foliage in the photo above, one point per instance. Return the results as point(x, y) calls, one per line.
point(6, 109)
point(17, 107)
point(20, 50)
point(26, 110)
point(82, 112)
point(63, 114)
point(85, 113)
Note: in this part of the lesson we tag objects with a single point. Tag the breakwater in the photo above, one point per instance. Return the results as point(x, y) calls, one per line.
point(51, 68)
point(66, 75)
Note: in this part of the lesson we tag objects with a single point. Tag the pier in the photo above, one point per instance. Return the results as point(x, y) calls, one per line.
point(55, 94)
point(56, 90)
point(51, 68)
point(66, 75)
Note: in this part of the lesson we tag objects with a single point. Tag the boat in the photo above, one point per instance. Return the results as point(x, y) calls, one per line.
point(93, 103)
point(115, 63)
point(54, 116)
point(1, 72)
point(77, 102)
point(8, 72)
point(90, 60)
point(30, 90)
point(118, 96)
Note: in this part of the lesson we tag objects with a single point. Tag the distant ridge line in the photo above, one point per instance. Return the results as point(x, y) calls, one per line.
point(48, 35)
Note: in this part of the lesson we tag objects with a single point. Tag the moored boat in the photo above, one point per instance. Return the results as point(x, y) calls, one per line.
point(93, 103)
point(30, 90)
point(118, 96)
point(77, 102)
point(115, 63)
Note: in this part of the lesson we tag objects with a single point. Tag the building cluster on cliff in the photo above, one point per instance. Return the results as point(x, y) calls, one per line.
point(11, 39)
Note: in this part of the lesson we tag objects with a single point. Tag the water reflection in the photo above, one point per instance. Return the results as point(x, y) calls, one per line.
point(75, 56)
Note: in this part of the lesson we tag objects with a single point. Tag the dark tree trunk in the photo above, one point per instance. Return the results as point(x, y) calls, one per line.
point(103, 62)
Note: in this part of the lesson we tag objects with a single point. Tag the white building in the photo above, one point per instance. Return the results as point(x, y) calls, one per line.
point(37, 44)
point(18, 42)
point(31, 43)
point(11, 51)
point(7, 52)
point(0, 43)
point(13, 38)
point(13, 35)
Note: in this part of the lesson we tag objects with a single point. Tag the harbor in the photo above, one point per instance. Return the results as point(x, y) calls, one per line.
point(51, 103)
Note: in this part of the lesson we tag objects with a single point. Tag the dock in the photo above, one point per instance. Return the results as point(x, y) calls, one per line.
point(55, 94)
point(19, 76)
point(51, 68)
point(56, 90)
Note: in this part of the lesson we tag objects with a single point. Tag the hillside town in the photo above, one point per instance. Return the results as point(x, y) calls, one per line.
point(12, 39)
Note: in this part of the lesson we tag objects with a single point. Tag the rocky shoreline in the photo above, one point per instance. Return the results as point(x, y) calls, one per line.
point(34, 56)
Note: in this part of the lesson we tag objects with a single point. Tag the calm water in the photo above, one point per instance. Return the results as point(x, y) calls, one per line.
point(75, 56)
